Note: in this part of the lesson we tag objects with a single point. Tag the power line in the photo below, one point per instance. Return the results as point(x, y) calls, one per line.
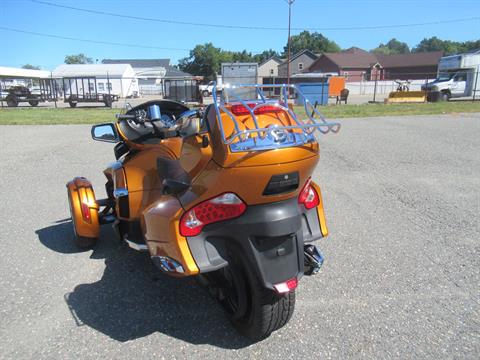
point(224, 26)
point(54, 36)
point(89, 40)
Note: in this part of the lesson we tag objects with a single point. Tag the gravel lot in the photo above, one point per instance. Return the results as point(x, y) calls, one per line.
point(401, 277)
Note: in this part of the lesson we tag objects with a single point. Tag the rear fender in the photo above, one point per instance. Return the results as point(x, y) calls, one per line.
point(160, 227)
point(83, 208)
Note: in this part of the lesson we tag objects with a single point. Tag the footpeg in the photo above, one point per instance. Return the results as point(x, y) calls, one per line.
point(313, 260)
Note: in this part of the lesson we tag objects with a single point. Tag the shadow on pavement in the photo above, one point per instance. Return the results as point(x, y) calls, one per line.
point(134, 299)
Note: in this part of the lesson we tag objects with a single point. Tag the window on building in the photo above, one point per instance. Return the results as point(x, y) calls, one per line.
point(101, 86)
point(272, 71)
point(300, 66)
point(110, 86)
point(346, 74)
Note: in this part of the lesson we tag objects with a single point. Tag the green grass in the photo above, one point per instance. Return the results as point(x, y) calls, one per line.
point(49, 116)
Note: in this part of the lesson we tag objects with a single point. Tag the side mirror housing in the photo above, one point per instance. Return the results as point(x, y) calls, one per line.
point(105, 132)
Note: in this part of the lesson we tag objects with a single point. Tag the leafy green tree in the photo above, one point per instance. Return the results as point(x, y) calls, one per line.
point(448, 47)
point(315, 42)
point(264, 55)
point(471, 45)
point(78, 59)
point(30, 67)
point(436, 44)
point(204, 60)
point(392, 47)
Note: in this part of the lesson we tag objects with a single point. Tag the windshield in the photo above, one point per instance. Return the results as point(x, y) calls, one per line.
point(445, 76)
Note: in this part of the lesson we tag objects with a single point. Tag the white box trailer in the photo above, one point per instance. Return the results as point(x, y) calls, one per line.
point(458, 77)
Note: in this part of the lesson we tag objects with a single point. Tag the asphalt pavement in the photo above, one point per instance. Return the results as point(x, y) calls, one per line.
point(401, 277)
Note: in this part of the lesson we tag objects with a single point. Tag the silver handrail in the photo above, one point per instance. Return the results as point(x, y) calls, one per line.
point(308, 126)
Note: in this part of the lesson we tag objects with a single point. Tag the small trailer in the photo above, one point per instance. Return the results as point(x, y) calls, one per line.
point(14, 95)
point(18, 85)
point(86, 90)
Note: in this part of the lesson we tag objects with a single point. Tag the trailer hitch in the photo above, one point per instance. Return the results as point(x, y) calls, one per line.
point(313, 259)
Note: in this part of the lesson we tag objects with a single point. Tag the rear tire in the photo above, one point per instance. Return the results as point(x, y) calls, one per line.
point(258, 311)
point(12, 101)
point(107, 100)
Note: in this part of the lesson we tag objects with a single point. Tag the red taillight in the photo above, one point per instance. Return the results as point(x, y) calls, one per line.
point(286, 286)
point(239, 109)
point(223, 207)
point(308, 196)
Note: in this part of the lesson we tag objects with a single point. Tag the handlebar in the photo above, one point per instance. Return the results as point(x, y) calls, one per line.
point(125, 117)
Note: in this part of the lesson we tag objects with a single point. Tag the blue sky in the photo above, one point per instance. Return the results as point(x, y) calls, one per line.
point(20, 48)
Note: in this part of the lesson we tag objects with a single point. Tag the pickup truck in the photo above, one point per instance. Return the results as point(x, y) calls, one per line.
point(206, 89)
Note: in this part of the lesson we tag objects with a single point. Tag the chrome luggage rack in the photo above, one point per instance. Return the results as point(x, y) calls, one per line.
point(275, 136)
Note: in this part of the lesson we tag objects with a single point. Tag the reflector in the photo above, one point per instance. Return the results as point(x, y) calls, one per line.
point(286, 286)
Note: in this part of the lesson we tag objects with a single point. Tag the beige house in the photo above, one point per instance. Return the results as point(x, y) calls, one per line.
point(268, 68)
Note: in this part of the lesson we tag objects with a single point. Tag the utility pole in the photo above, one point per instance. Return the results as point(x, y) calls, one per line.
point(290, 2)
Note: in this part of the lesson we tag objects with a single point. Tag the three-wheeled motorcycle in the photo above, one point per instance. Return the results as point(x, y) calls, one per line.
point(223, 193)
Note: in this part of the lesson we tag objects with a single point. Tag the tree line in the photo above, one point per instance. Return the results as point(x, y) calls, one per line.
point(205, 59)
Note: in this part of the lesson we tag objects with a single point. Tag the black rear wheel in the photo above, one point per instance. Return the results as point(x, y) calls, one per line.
point(12, 101)
point(33, 103)
point(252, 309)
point(107, 100)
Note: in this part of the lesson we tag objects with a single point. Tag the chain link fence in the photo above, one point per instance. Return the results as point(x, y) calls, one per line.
point(99, 90)
point(105, 90)
point(374, 88)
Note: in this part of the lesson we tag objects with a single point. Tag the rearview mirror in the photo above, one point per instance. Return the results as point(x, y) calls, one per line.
point(105, 132)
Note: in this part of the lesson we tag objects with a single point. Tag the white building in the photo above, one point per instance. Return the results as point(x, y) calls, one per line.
point(116, 79)
point(10, 76)
point(268, 68)
point(153, 74)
